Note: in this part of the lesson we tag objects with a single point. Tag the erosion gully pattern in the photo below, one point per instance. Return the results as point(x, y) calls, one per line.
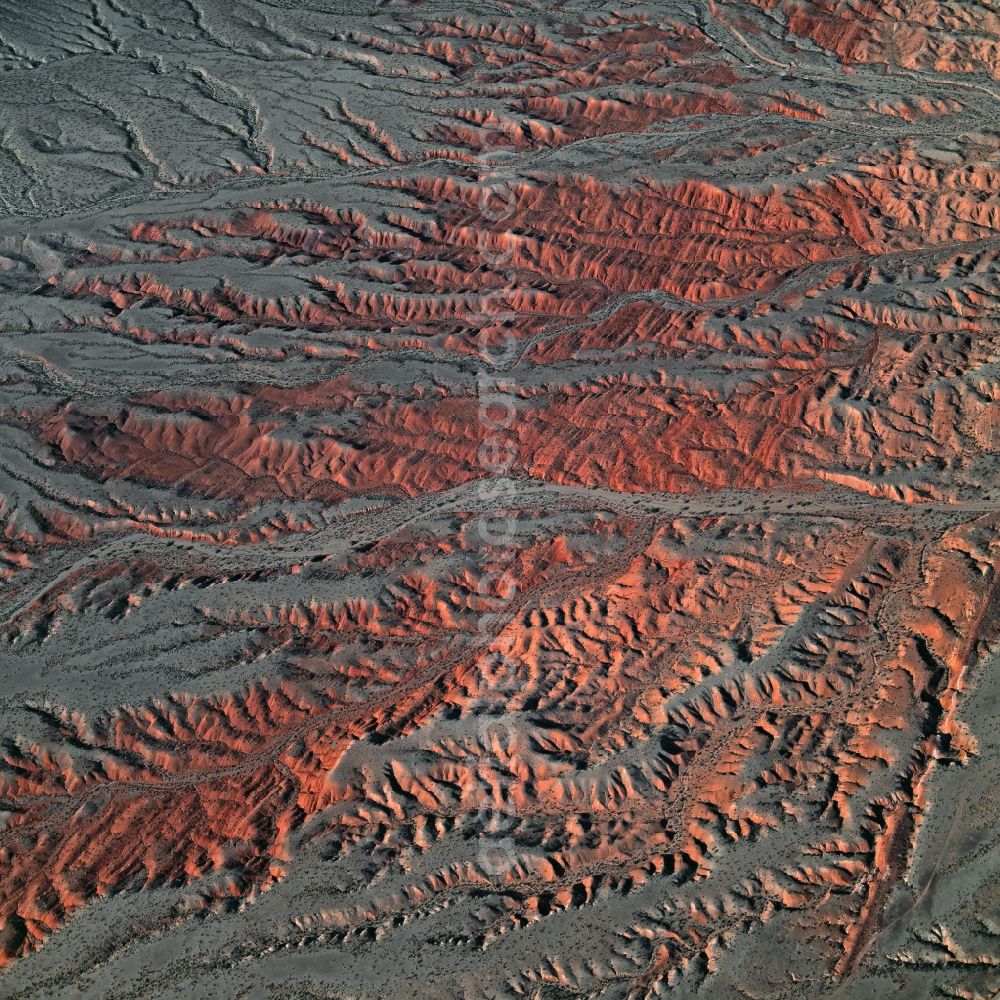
point(499, 501)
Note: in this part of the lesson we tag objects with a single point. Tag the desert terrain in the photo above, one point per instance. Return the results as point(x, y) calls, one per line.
point(500, 500)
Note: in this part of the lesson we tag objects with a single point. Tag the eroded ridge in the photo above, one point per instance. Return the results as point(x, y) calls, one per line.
point(499, 502)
